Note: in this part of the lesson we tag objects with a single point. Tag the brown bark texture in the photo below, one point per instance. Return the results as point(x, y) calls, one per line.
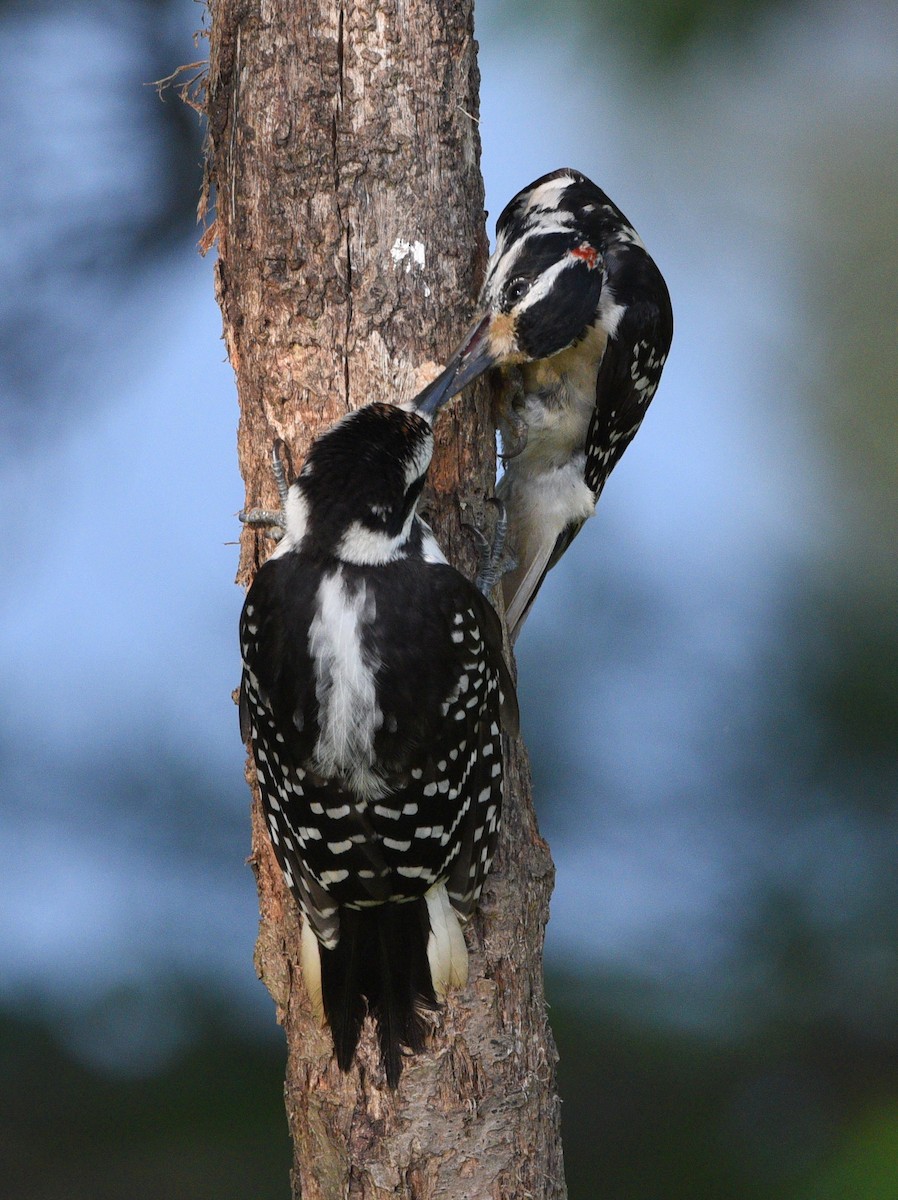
point(344, 151)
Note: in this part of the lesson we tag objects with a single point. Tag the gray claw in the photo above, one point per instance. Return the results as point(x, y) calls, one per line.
point(277, 469)
point(493, 561)
point(265, 517)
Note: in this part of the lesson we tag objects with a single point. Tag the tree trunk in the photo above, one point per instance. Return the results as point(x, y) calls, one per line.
point(344, 150)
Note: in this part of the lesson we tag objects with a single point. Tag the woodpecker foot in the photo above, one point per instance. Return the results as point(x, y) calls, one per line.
point(266, 517)
point(493, 561)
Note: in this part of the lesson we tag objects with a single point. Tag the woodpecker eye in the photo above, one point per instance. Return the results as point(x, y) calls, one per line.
point(516, 290)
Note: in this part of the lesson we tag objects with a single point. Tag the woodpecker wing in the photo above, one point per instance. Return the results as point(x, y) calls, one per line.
point(631, 366)
point(277, 705)
point(428, 807)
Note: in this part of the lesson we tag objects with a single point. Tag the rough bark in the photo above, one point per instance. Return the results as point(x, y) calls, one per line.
point(344, 151)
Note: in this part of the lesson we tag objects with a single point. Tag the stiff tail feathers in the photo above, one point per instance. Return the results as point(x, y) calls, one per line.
point(447, 954)
point(394, 961)
point(521, 585)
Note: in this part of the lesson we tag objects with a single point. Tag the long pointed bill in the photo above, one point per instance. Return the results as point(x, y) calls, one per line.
point(471, 359)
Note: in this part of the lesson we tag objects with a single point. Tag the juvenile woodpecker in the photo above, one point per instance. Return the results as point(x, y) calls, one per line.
point(374, 693)
point(577, 316)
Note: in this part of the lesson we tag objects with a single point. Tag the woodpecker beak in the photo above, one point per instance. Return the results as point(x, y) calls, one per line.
point(475, 355)
point(438, 391)
point(469, 360)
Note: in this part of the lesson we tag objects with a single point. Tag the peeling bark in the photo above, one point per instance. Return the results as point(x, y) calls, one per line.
point(344, 150)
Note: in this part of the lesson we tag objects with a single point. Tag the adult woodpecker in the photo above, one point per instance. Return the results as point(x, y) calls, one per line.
point(374, 693)
point(577, 317)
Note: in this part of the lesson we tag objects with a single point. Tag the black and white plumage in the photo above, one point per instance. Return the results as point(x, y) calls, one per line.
point(374, 693)
point(577, 316)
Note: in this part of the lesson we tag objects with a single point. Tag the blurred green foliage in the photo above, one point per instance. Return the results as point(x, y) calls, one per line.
point(865, 1163)
point(797, 1109)
point(208, 1126)
point(660, 33)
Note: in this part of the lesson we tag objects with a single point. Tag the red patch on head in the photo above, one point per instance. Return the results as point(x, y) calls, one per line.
point(588, 253)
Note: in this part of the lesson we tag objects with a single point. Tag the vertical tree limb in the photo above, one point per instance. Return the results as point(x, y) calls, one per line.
point(345, 154)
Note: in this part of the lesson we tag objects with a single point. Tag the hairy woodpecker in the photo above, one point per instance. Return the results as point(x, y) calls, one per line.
point(577, 316)
point(374, 693)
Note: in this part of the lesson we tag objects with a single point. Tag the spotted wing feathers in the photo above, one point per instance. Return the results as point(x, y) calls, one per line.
point(627, 381)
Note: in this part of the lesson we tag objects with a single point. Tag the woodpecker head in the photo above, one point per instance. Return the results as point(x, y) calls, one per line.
point(356, 495)
point(547, 281)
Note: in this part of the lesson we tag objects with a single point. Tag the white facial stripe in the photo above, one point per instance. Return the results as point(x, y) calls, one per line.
point(548, 194)
point(430, 547)
point(365, 547)
point(552, 222)
point(545, 283)
point(502, 265)
point(296, 512)
point(296, 515)
point(500, 268)
point(497, 253)
point(421, 461)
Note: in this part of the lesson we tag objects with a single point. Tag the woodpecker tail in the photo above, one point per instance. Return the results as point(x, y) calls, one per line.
point(546, 510)
point(520, 585)
point(392, 961)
